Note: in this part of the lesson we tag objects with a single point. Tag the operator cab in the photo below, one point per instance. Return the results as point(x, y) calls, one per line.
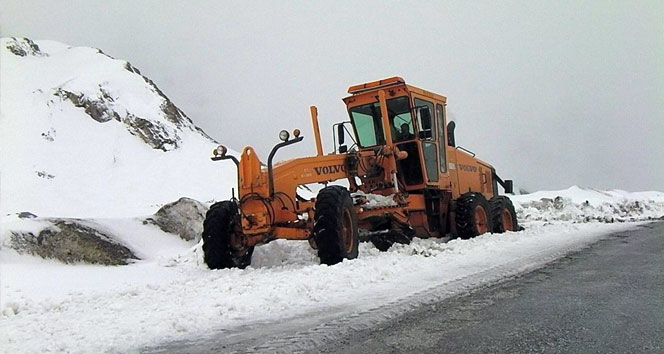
point(415, 119)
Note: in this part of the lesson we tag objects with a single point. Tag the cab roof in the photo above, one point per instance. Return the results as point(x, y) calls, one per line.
point(392, 81)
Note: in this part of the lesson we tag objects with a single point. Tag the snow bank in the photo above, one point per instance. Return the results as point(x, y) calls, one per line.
point(49, 307)
point(583, 205)
point(171, 295)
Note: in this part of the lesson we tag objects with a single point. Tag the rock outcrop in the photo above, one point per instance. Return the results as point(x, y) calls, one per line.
point(70, 241)
point(23, 47)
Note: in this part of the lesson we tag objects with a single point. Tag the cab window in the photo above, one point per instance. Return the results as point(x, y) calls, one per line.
point(368, 125)
point(400, 118)
point(427, 132)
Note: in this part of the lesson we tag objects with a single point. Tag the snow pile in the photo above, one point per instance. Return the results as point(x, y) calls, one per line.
point(584, 205)
point(86, 135)
point(372, 201)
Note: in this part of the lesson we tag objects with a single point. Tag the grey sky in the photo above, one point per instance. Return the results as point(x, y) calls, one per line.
point(552, 93)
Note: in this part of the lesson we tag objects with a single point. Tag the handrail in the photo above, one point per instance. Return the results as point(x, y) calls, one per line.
point(270, 177)
point(237, 166)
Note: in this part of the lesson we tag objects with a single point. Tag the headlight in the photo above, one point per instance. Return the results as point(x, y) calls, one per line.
point(220, 151)
point(283, 135)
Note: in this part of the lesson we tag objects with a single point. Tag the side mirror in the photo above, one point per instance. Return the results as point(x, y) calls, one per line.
point(509, 186)
point(340, 133)
point(450, 133)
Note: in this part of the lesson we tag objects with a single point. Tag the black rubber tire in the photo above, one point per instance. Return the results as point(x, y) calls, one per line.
point(498, 205)
point(221, 221)
point(466, 223)
point(333, 205)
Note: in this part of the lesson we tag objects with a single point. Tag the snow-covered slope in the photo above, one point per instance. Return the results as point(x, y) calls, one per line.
point(83, 134)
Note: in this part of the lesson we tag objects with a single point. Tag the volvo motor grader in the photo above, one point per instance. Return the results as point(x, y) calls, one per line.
point(404, 175)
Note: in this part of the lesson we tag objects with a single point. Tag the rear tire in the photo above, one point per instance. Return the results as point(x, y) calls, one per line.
point(335, 225)
point(222, 222)
point(503, 214)
point(473, 215)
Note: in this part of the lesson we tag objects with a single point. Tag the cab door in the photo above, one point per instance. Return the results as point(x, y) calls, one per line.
point(428, 136)
point(444, 161)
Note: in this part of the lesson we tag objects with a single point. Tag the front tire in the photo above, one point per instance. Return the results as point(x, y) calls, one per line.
point(221, 225)
point(335, 225)
point(473, 215)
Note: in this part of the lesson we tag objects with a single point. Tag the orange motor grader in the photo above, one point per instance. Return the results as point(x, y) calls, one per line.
point(405, 177)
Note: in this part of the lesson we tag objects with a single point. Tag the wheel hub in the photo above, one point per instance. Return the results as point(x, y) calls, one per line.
point(481, 220)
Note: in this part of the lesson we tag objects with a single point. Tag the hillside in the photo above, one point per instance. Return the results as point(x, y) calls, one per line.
point(83, 134)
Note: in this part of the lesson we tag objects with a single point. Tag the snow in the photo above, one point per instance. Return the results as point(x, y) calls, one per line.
point(579, 205)
point(56, 161)
point(171, 295)
point(374, 201)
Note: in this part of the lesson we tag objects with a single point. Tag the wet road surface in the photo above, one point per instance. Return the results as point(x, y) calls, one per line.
point(607, 298)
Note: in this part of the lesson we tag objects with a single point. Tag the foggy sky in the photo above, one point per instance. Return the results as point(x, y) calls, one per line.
point(552, 93)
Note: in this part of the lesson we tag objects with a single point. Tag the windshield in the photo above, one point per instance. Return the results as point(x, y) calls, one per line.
point(368, 125)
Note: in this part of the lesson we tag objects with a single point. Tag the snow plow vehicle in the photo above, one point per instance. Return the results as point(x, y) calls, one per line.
point(405, 177)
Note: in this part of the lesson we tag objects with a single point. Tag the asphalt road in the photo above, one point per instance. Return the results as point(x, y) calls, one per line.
point(608, 298)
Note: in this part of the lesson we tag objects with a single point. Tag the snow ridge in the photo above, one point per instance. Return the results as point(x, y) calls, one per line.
point(583, 205)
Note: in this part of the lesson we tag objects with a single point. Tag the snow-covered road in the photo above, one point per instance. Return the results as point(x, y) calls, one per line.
point(50, 307)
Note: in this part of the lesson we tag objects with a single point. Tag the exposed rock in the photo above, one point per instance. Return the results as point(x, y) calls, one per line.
point(23, 47)
point(98, 108)
point(69, 241)
point(101, 106)
point(172, 113)
point(183, 217)
point(44, 174)
point(26, 215)
point(155, 134)
point(132, 68)
point(49, 135)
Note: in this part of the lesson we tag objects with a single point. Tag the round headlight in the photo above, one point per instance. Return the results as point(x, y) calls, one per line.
point(220, 150)
point(296, 133)
point(283, 135)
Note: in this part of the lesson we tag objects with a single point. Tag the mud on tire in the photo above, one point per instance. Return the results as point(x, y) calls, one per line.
point(473, 215)
point(503, 214)
point(222, 221)
point(335, 225)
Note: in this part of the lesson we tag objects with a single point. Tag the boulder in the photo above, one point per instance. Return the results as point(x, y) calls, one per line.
point(183, 218)
point(69, 241)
